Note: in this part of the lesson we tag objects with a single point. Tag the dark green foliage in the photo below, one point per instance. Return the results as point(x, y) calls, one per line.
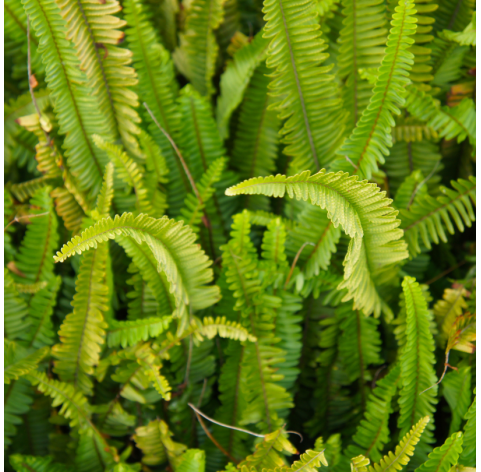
point(229, 222)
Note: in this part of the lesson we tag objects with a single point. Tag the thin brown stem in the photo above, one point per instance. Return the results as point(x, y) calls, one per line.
point(295, 262)
point(18, 218)
point(447, 271)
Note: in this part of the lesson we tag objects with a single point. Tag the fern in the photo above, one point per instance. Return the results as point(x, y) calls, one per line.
point(129, 333)
point(328, 191)
point(443, 457)
point(17, 363)
point(37, 464)
point(468, 455)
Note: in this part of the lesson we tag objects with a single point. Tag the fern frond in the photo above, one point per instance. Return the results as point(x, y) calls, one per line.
point(95, 31)
point(236, 78)
point(91, 454)
point(154, 440)
point(310, 461)
point(128, 171)
point(197, 54)
point(223, 328)
point(74, 105)
point(453, 16)
point(16, 403)
point(104, 199)
point(17, 363)
point(315, 119)
point(68, 209)
point(417, 362)
point(362, 41)
point(129, 333)
point(442, 458)
point(449, 308)
point(15, 308)
point(193, 460)
point(457, 389)
point(428, 217)
point(21, 463)
point(375, 245)
point(82, 333)
point(403, 452)
point(373, 433)
point(468, 456)
point(465, 38)
point(370, 140)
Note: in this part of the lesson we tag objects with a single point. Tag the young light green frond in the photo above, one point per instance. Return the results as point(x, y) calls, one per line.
point(68, 209)
point(193, 460)
point(457, 389)
point(236, 78)
point(95, 31)
point(256, 139)
point(194, 208)
point(154, 440)
point(442, 458)
point(21, 463)
point(446, 310)
point(41, 331)
point(172, 244)
point(359, 463)
point(34, 256)
point(428, 217)
point(128, 171)
point(375, 245)
point(130, 333)
point(468, 456)
point(362, 42)
point(315, 119)
point(77, 112)
point(83, 332)
point(417, 362)
point(17, 363)
point(220, 326)
point(316, 228)
point(30, 288)
point(104, 199)
point(458, 122)
point(158, 381)
point(371, 139)
point(310, 461)
point(373, 433)
point(404, 450)
point(465, 38)
point(157, 87)
point(197, 54)
point(273, 244)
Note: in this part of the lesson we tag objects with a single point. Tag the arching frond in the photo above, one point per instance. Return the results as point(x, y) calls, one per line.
point(315, 119)
point(442, 458)
point(74, 105)
point(468, 456)
point(197, 54)
point(236, 78)
point(18, 363)
point(428, 217)
point(129, 333)
point(344, 198)
point(83, 332)
point(370, 140)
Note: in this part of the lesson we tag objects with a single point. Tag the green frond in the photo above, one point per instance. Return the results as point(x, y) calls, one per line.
point(83, 332)
point(91, 456)
point(362, 42)
point(26, 190)
point(129, 333)
point(264, 218)
point(193, 460)
point(417, 363)
point(17, 363)
point(256, 138)
point(375, 245)
point(158, 381)
point(236, 79)
point(269, 453)
point(128, 171)
point(465, 38)
point(468, 456)
point(447, 309)
point(22, 463)
point(68, 209)
point(273, 244)
point(454, 16)
point(17, 402)
point(30, 288)
point(458, 122)
point(15, 320)
point(77, 113)
point(373, 432)
point(404, 450)
point(428, 217)
point(33, 259)
point(95, 31)
point(223, 328)
point(314, 226)
point(154, 440)
point(172, 244)
point(410, 191)
point(310, 461)
point(158, 88)
point(104, 199)
point(357, 356)
point(197, 54)
point(371, 139)
point(315, 119)
point(442, 458)
point(456, 387)
point(359, 464)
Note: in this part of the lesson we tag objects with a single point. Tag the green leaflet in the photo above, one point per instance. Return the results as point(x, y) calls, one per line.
point(468, 455)
point(443, 457)
point(370, 140)
point(365, 259)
